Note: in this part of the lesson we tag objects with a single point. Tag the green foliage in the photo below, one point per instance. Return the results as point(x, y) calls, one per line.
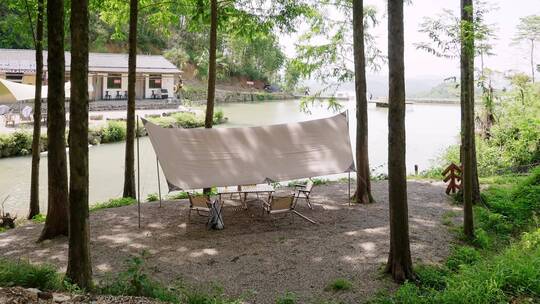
point(187, 120)
point(114, 203)
point(178, 195)
point(462, 255)
point(24, 274)
point(114, 131)
point(492, 273)
point(39, 218)
point(152, 197)
point(136, 282)
point(287, 298)
point(340, 284)
point(18, 143)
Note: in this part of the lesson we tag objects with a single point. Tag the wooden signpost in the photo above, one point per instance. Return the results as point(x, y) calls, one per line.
point(453, 174)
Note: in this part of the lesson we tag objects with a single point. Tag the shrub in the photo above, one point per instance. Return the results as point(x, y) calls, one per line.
point(340, 284)
point(24, 274)
point(114, 203)
point(433, 277)
point(18, 143)
point(39, 218)
point(136, 282)
point(152, 197)
point(114, 131)
point(462, 255)
point(287, 298)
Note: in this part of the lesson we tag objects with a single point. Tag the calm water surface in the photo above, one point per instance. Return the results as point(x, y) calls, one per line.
point(430, 129)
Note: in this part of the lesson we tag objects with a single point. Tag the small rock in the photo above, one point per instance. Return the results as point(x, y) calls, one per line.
point(60, 298)
point(44, 295)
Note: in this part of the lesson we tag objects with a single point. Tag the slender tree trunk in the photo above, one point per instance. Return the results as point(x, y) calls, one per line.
point(399, 259)
point(57, 212)
point(36, 145)
point(532, 60)
point(363, 184)
point(79, 268)
point(467, 101)
point(129, 171)
point(208, 119)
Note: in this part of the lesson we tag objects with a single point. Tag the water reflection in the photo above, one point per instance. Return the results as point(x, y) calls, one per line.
point(430, 128)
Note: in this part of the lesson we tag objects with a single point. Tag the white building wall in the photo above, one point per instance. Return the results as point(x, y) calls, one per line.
point(112, 92)
point(167, 82)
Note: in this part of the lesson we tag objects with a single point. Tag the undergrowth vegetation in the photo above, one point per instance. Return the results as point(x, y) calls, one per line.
point(19, 143)
point(502, 265)
point(113, 203)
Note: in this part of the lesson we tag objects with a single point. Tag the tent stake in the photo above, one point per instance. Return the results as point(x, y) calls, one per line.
point(138, 175)
point(158, 181)
point(349, 188)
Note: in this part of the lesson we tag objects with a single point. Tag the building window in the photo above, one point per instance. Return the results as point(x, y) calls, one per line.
point(15, 77)
point(114, 81)
point(155, 82)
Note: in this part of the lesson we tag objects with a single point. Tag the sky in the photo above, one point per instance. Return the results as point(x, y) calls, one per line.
point(419, 64)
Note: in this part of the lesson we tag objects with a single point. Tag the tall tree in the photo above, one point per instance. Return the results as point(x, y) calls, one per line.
point(467, 106)
point(363, 184)
point(57, 212)
point(528, 30)
point(129, 167)
point(399, 259)
point(79, 268)
point(38, 44)
point(208, 119)
point(444, 32)
point(211, 94)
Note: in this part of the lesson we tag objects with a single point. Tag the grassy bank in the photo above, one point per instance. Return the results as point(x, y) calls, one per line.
point(502, 265)
point(20, 143)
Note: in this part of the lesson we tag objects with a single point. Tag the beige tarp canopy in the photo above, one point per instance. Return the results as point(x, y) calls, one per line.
point(199, 158)
point(13, 91)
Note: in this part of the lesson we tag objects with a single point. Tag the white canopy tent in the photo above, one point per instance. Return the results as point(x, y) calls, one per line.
point(11, 92)
point(200, 158)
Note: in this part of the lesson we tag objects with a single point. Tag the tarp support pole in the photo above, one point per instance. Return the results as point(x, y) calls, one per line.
point(138, 175)
point(158, 181)
point(349, 188)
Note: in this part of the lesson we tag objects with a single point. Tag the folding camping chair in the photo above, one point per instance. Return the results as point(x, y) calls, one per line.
point(302, 192)
point(279, 204)
point(199, 203)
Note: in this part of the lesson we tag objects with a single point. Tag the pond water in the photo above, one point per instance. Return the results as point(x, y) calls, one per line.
point(430, 129)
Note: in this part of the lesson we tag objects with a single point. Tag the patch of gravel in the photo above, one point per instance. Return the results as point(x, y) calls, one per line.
point(18, 295)
point(257, 256)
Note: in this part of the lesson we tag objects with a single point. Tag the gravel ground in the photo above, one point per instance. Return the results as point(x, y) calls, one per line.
point(257, 256)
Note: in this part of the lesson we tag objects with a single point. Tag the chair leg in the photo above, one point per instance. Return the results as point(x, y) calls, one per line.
point(308, 202)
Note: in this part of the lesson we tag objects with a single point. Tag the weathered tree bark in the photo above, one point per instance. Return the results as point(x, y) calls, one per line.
point(129, 167)
point(209, 117)
point(79, 268)
point(363, 183)
point(34, 179)
point(467, 103)
point(399, 259)
point(57, 211)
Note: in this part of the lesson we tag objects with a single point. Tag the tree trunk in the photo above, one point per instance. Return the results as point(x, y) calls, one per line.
point(467, 102)
point(363, 184)
point(79, 268)
point(399, 259)
point(532, 59)
point(129, 169)
point(57, 211)
point(36, 136)
point(209, 117)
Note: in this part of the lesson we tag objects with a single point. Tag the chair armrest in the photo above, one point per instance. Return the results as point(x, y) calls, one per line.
point(299, 186)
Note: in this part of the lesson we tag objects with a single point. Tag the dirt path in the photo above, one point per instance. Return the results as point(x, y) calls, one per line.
point(258, 256)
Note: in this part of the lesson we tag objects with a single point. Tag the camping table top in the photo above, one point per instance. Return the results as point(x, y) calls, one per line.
point(261, 188)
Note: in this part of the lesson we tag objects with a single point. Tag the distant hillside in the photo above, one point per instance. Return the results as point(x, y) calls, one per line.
point(443, 90)
point(377, 85)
